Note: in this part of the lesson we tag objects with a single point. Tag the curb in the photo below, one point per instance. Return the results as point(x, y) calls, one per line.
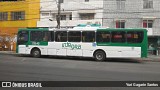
point(151, 60)
point(7, 53)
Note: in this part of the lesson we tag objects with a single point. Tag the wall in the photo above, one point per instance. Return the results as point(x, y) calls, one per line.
point(10, 27)
point(73, 7)
point(133, 14)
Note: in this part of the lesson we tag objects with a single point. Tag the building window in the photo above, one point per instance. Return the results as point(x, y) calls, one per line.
point(62, 17)
point(61, 1)
point(120, 24)
point(147, 23)
point(87, 16)
point(147, 4)
point(70, 17)
point(121, 4)
point(45, 14)
point(86, 0)
point(3, 16)
point(18, 15)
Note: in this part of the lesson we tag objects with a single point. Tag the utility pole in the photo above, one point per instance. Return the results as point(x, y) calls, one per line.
point(59, 14)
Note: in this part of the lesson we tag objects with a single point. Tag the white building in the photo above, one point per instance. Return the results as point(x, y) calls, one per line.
point(134, 14)
point(73, 12)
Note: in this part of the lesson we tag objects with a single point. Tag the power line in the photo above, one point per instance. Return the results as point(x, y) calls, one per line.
point(78, 18)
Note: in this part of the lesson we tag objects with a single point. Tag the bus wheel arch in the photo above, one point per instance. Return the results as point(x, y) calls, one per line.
point(99, 55)
point(36, 52)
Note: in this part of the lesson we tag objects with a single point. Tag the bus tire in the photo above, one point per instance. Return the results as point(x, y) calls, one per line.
point(99, 55)
point(36, 53)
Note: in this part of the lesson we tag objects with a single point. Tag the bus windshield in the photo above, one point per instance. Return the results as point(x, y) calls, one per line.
point(22, 37)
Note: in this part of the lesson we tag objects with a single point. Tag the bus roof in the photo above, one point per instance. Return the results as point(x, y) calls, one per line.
point(87, 28)
point(33, 29)
point(84, 28)
point(121, 29)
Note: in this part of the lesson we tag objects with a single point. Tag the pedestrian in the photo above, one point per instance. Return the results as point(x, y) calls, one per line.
point(3, 47)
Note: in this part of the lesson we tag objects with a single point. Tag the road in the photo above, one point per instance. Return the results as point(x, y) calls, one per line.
point(16, 68)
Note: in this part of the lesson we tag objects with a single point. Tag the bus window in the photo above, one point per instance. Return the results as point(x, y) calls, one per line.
point(22, 37)
point(52, 35)
point(61, 36)
point(134, 36)
point(118, 37)
point(103, 36)
point(36, 36)
point(46, 36)
point(88, 36)
point(74, 36)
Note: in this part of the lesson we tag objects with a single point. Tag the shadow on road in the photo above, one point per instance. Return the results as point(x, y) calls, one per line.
point(124, 60)
point(120, 60)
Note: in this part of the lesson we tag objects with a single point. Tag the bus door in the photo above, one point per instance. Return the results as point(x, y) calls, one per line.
point(60, 38)
point(22, 41)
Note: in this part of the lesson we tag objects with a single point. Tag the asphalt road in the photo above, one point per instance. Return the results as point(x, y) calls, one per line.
point(16, 68)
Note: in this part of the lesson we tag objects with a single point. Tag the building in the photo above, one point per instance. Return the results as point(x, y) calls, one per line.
point(73, 12)
point(134, 14)
point(16, 14)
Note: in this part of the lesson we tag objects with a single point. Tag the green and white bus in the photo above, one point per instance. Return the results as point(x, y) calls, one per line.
point(83, 41)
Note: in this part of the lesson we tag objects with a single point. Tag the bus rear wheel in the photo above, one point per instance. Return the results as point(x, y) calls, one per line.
point(99, 56)
point(36, 53)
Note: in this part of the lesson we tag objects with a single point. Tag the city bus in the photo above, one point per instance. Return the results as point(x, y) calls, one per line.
point(83, 41)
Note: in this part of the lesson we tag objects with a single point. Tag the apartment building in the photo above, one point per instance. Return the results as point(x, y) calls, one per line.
point(16, 14)
point(134, 14)
point(73, 12)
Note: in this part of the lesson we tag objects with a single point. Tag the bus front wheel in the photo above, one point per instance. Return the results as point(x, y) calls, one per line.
point(36, 53)
point(99, 56)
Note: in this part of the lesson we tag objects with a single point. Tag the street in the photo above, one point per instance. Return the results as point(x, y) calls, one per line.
point(73, 69)
point(17, 68)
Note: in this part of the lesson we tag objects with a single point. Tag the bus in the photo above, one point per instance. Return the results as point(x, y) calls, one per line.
point(83, 41)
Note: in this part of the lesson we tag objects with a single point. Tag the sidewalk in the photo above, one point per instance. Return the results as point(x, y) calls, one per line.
point(7, 52)
point(152, 58)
